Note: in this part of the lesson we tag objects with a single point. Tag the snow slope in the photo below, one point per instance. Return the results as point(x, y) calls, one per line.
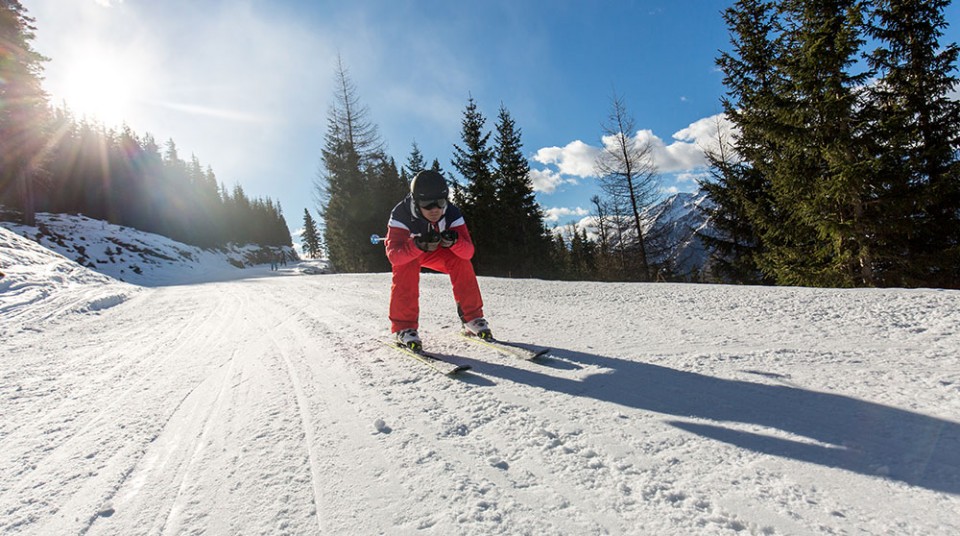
point(137, 257)
point(40, 285)
point(269, 405)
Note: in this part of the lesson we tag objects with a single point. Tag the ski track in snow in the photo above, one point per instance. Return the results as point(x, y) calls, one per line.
point(270, 406)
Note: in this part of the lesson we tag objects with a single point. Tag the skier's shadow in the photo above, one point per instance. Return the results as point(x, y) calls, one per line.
point(832, 430)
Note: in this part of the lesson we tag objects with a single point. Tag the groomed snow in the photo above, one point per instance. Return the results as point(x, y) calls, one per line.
point(267, 404)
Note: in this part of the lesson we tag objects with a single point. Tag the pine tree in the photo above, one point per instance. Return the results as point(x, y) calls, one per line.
point(310, 236)
point(523, 240)
point(615, 227)
point(916, 126)
point(560, 257)
point(354, 184)
point(415, 162)
point(387, 188)
point(740, 188)
point(821, 175)
point(835, 181)
point(242, 208)
point(478, 199)
point(23, 109)
point(582, 255)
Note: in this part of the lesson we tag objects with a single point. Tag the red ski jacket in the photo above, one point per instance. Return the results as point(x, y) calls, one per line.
point(406, 222)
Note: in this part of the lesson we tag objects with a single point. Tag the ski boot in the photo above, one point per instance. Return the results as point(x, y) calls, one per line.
point(479, 328)
point(409, 338)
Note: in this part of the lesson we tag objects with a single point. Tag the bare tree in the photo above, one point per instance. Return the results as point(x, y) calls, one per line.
point(628, 174)
point(603, 224)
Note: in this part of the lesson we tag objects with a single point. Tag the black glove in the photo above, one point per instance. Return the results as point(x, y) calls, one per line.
point(448, 238)
point(428, 242)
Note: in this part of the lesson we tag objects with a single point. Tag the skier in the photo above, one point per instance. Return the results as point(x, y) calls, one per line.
point(426, 230)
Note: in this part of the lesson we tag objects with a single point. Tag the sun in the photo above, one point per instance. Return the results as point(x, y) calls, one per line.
point(102, 85)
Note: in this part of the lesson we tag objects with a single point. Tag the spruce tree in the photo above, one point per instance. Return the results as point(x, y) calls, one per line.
point(916, 127)
point(821, 175)
point(310, 236)
point(435, 166)
point(523, 240)
point(22, 109)
point(387, 188)
point(478, 199)
point(804, 179)
point(415, 162)
point(740, 187)
point(354, 185)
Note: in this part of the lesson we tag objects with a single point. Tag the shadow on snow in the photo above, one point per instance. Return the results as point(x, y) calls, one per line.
point(852, 434)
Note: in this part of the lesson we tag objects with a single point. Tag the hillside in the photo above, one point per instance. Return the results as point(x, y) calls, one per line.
point(267, 404)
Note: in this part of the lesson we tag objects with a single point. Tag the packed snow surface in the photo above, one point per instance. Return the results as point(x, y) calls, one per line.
point(269, 404)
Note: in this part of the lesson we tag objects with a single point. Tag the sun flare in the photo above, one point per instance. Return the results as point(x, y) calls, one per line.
point(101, 85)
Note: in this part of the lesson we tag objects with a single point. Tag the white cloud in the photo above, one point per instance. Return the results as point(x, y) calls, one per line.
point(108, 3)
point(686, 177)
point(547, 181)
point(685, 155)
point(704, 133)
point(556, 213)
point(576, 158)
point(681, 155)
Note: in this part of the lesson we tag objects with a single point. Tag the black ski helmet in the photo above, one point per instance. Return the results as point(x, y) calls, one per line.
point(428, 185)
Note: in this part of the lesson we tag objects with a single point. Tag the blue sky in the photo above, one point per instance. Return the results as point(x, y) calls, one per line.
point(245, 85)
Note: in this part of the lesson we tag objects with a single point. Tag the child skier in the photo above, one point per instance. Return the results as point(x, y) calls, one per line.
point(426, 230)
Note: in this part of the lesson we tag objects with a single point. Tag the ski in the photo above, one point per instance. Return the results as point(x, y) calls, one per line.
point(507, 348)
point(434, 361)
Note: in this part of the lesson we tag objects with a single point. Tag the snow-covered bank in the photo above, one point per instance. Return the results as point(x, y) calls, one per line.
point(136, 257)
point(268, 405)
point(40, 285)
point(73, 263)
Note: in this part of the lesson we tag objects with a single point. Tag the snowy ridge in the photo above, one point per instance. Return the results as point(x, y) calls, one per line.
point(269, 405)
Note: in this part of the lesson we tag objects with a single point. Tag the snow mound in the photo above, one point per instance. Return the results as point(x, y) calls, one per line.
point(35, 275)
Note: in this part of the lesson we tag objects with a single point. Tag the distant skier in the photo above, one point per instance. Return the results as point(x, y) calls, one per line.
point(426, 230)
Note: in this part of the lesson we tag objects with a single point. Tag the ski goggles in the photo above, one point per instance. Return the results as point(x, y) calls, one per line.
point(430, 204)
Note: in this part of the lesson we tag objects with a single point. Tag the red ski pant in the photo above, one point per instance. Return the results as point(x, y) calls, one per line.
point(405, 292)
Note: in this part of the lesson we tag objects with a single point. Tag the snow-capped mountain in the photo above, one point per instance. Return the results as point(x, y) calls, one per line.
point(672, 233)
